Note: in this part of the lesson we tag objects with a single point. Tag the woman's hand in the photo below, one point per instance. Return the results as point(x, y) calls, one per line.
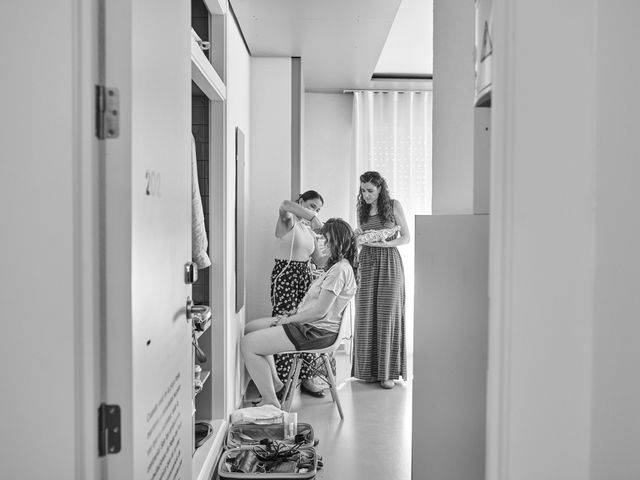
point(380, 244)
point(289, 212)
point(316, 223)
point(282, 318)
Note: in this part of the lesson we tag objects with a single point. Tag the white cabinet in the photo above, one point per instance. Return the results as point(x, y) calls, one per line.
point(451, 322)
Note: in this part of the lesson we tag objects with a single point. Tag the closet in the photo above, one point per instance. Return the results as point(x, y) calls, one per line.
point(208, 96)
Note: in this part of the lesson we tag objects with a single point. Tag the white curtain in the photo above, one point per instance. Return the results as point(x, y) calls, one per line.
point(392, 135)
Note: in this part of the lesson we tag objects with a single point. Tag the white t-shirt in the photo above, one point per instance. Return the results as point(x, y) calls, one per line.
point(340, 280)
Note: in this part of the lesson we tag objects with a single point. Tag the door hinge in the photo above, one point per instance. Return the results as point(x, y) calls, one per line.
point(109, 429)
point(107, 112)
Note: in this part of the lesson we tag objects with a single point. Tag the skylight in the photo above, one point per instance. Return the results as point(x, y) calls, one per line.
point(408, 50)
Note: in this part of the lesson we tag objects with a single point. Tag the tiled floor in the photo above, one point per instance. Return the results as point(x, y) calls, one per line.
point(373, 442)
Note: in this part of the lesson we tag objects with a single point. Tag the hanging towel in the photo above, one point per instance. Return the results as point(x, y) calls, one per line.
point(199, 242)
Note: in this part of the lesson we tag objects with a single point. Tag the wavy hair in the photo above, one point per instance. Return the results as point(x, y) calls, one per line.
point(385, 207)
point(341, 243)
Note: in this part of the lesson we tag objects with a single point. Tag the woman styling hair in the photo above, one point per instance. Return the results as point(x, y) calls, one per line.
point(315, 324)
point(291, 275)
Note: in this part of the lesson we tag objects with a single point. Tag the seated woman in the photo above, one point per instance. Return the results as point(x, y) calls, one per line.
point(316, 322)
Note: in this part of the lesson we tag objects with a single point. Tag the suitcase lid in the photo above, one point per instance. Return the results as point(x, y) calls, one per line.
point(251, 434)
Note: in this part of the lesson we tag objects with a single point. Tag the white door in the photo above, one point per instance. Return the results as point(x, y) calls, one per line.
point(147, 238)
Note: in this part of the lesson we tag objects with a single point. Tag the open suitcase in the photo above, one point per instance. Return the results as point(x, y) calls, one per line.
point(257, 451)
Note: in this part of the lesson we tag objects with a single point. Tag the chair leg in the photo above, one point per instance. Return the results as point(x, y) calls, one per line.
point(332, 384)
point(292, 381)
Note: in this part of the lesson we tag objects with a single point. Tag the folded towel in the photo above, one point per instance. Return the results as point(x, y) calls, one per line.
point(199, 242)
point(263, 415)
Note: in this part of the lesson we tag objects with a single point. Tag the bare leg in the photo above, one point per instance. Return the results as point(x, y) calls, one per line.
point(277, 383)
point(261, 324)
point(258, 324)
point(256, 347)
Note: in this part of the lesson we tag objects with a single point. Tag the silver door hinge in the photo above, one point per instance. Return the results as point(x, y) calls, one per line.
point(109, 429)
point(107, 112)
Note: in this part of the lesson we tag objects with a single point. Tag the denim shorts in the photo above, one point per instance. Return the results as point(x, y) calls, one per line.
point(307, 337)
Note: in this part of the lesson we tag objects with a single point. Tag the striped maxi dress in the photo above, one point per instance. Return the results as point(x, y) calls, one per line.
point(379, 347)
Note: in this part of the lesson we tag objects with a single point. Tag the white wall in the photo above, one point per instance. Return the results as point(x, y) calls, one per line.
point(269, 173)
point(327, 152)
point(453, 84)
point(303, 118)
point(616, 391)
point(542, 240)
point(238, 115)
point(297, 122)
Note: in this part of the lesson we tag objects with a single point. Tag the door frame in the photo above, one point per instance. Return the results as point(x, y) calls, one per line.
point(500, 244)
point(86, 212)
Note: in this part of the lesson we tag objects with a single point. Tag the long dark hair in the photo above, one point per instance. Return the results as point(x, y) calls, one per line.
point(342, 243)
point(385, 207)
point(310, 195)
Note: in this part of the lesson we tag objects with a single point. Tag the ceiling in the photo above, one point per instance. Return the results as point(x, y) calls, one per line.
point(340, 41)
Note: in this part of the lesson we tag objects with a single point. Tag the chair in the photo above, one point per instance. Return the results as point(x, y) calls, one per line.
point(322, 365)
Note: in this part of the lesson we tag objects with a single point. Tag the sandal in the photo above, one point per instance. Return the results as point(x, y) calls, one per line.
point(387, 384)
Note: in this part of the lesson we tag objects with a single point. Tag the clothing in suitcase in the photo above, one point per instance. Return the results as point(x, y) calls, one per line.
point(277, 461)
point(257, 451)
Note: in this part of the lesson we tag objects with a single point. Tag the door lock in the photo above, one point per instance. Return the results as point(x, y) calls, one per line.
point(190, 273)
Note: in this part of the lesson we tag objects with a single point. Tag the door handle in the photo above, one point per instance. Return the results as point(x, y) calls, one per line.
point(189, 309)
point(200, 355)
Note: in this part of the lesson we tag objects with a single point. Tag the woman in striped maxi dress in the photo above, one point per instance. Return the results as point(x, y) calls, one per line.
point(379, 350)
